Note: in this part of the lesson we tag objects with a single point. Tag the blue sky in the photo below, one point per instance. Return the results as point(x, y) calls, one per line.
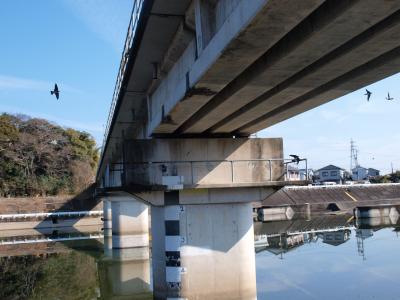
point(78, 44)
point(74, 43)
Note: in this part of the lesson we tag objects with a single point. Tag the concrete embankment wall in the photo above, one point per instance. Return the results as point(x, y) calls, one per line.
point(345, 197)
point(44, 212)
point(25, 205)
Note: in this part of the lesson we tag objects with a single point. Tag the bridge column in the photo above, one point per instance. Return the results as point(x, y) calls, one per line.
point(203, 251)
point(107, 215)
point(130, 223)
point(126, 275)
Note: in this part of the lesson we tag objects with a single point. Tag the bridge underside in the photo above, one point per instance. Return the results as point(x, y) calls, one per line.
point(339, 47)
point(207, 68)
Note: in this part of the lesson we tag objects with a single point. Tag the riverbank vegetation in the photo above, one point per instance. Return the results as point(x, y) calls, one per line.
point(41, 158)
point(52, 276)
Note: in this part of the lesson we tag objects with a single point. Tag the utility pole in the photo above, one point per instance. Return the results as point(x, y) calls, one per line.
point(353, 155)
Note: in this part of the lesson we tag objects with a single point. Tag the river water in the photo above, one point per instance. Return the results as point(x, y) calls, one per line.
point(336, 259)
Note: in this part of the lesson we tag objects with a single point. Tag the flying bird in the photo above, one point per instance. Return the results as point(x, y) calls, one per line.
point(389, 98)
point(296, 158)
point(368, 94)
point(56, 91)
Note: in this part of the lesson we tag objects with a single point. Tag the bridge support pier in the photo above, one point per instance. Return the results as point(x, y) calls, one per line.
point(127, 274)
point(129, 221)
point(203, 251)
point(107, 215)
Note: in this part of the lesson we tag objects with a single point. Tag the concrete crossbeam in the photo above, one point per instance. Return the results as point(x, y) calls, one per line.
point(203, 162)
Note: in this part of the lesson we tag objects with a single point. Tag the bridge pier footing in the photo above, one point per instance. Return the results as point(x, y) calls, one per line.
point(203, 251)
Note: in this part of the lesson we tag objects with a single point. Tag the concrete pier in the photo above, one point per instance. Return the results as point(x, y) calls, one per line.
point(275, 213)
point(107, 215)
point(203, 251)
point(126, 274)
point(130, 221)
point(378, 215)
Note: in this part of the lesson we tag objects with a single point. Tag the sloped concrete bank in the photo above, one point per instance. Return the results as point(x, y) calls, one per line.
point(339, 198)
point(54, 211)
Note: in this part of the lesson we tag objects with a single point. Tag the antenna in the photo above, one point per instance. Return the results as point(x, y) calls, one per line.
point(353, 155)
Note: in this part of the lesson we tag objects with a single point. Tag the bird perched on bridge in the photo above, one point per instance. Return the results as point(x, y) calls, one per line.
point(296, 158)
point(389, 98)
point(368, 94)
point(56, 91)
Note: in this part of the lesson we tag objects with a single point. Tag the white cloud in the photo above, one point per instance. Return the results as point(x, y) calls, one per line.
point(19, 83)
point(91, 127)
point(13, 83)
point(333, 116)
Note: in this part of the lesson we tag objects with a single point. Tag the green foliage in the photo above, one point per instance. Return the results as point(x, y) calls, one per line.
point(8, 131)
point(83, 146)
point(58, 276)
point(40, 158)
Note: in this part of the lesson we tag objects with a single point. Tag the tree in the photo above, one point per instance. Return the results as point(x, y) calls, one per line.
point(38, 157)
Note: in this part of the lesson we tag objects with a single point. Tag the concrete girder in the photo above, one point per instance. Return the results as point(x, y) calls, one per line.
point(330, 26)
point(228, 54)
point(369, 45)
point(383, 66)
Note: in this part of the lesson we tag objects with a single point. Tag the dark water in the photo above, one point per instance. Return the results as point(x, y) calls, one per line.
point(334, 261)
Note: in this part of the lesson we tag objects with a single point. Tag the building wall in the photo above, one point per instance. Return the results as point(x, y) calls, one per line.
point(331, 175)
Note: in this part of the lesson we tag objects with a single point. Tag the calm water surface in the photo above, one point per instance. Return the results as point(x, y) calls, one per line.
point(336, 261)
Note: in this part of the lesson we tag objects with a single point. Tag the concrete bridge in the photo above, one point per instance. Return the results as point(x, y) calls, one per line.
point(196, 79)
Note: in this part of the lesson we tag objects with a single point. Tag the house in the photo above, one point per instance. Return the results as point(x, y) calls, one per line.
point(373, 172)
point(361, 173)
point(336, 238)
point(330, 173)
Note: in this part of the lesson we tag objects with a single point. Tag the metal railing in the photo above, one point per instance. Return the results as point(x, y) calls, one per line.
point(136, 10)
point(48, 239)
point(61, 214)
point(176, 168)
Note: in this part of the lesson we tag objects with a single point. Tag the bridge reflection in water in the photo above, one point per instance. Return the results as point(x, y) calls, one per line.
point(127, 273)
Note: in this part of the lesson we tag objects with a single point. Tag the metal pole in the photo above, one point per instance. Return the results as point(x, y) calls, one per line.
point(270, 170)
point(232, 171)
point(191, 171)
point(307, 177)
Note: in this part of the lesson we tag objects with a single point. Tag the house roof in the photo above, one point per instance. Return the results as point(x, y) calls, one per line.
point(335, 242)
point(359, 167)
point(330, 167)
point(373, 169)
